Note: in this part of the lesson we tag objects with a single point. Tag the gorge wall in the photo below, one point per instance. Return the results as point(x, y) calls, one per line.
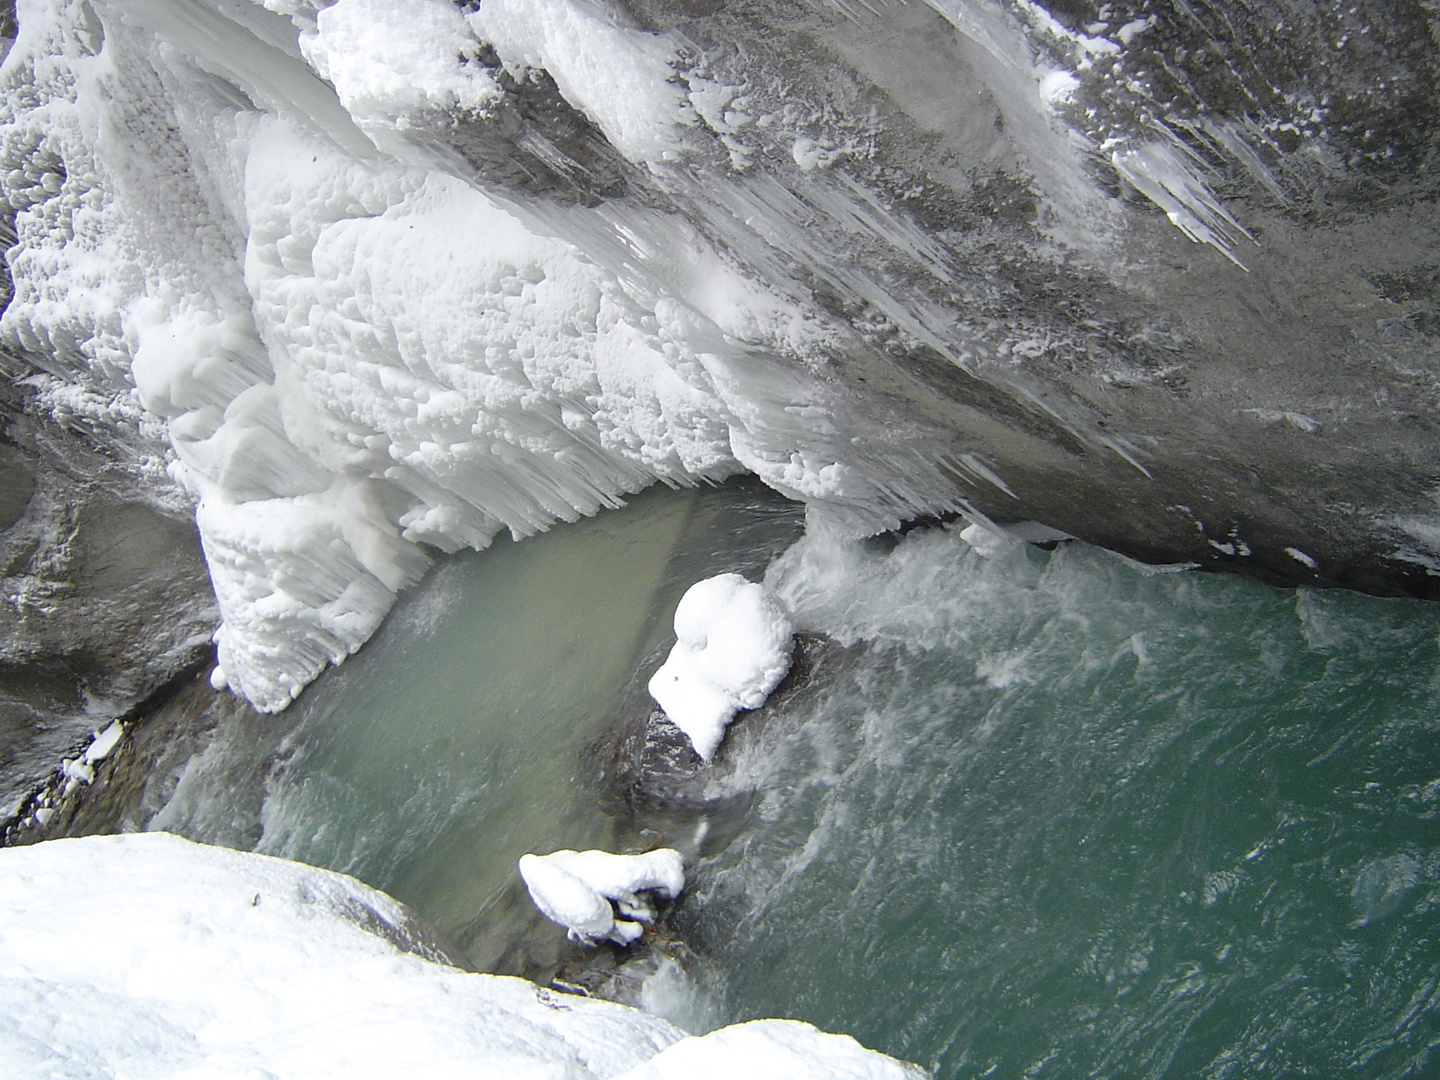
point(355, 282)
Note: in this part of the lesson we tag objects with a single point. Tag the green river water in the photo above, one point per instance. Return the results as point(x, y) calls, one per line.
point(1049, 814)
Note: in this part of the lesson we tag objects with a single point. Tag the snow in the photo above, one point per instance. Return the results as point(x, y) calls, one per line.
point(773, 1048)
point(148, 956)
point(104, 743)
point(1058, 86)
point(81, 770)
point(1135, 27)
point(577, 888)
point(733, 646)
point(569, 902)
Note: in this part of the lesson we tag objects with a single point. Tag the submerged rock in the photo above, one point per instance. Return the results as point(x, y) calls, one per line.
point(650, 775)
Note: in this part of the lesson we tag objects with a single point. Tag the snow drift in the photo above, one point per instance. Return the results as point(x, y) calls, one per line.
point(148, 956)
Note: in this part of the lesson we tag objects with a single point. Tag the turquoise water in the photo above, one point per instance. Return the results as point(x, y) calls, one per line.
point(460, 737)
point(1057, 817)
point(1046, 815)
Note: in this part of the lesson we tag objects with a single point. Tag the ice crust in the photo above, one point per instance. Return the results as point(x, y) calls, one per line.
point(733, 646)
point(147, 955)
point(342, 354)
point(577, 889)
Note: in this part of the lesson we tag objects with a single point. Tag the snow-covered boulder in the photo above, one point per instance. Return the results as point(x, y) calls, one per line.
point(149, 956)
point(733, 646)
point(576, 889)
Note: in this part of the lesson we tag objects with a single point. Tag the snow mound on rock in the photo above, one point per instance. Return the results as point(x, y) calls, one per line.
point(577, 888)
point(733, 646)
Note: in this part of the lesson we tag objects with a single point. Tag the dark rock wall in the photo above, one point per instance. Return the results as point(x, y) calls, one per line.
point(104, 595)
point(1218, 376)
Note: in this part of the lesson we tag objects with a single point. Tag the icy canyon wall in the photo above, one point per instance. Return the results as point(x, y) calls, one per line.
point(362, 280)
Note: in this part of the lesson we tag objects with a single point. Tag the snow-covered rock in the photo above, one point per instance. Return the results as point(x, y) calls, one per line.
point(149, 956)
point(577, 888)
point(733, 646)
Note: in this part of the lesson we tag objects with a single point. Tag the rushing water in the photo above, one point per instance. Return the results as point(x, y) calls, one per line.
point(1045, 814)
point(1063, 818)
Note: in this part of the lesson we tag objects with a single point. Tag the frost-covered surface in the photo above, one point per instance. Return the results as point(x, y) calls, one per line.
point(389, 57)
point(596, 895)
point(733, 646)
point(621, 77)
point(149, 956)
point(357, 354)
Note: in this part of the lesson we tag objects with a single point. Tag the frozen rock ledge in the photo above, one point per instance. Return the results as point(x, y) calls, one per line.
point(147, 955)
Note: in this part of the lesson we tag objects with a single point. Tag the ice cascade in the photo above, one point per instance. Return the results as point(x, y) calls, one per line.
point(356, 354)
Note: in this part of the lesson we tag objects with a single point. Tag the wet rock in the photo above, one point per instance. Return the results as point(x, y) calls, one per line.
point(104, 594)
point(651, 778)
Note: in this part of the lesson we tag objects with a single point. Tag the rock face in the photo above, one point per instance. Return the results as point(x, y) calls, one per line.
point(104, 596)
point(365, 277)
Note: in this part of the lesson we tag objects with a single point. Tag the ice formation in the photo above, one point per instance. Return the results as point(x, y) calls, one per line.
point(147, 955)
point(733, 646)
point(356, 353)
point(577, 889)
point(392, 277)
